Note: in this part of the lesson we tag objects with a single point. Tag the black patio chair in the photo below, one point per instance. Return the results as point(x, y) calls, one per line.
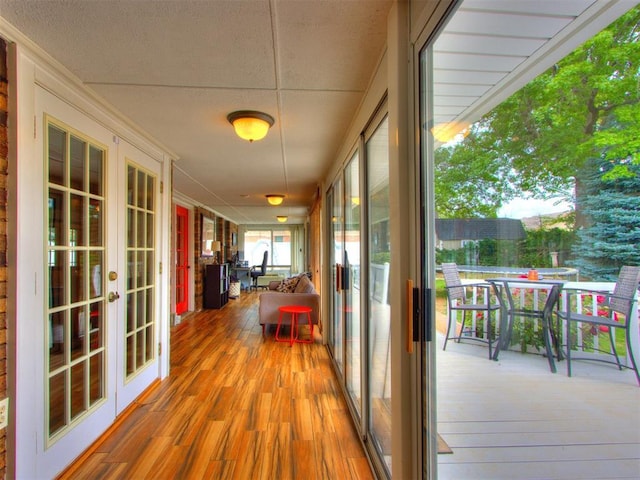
point(457, 300)
point(619, 309)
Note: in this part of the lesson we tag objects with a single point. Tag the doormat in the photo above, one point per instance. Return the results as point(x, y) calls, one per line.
point(442, 446)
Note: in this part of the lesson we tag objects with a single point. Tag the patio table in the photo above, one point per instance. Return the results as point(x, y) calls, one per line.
point(504, 286)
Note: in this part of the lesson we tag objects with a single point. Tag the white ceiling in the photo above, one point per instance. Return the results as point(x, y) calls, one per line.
point(178, 67)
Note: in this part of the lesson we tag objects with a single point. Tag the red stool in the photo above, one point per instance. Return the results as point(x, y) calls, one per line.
point(295, 311)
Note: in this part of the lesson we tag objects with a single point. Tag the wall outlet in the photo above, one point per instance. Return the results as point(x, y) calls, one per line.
point(4, 413)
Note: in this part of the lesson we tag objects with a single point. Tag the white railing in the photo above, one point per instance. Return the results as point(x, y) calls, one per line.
point(534, 298)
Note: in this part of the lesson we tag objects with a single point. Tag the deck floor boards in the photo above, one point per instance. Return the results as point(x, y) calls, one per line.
point(514, 419)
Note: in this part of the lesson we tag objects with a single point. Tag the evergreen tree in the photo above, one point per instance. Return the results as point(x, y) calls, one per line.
point(611, 207)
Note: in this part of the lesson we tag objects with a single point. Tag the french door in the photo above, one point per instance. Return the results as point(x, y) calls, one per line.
point(182, 260)
point(95, 348)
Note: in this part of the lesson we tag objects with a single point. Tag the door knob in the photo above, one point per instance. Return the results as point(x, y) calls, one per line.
point(113, 296)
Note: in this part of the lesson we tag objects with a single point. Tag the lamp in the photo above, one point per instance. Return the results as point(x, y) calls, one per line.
point(250, 125)
point(216, 247)
point(275, 199)
point(282, 218)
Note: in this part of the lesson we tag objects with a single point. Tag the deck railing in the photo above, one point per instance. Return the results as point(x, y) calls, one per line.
point(527, 330)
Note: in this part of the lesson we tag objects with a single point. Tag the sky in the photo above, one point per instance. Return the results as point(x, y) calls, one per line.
point(523, 208)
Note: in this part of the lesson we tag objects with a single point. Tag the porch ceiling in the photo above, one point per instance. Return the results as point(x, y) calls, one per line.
point(177, 68)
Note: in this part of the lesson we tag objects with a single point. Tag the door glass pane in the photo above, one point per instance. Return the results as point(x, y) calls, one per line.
point(75, 320)
point(78, 386)
point(141, 217)
point(352, 281)
point(337, 233)
point(95, 222)
point(96, 161)
point(535, 168)
point(377, 150)
point(96, 374)
point(57, 141)
point(77, 163)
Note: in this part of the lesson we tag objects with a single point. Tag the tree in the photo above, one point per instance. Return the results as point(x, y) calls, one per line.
point(612, 209)
point(538, 141)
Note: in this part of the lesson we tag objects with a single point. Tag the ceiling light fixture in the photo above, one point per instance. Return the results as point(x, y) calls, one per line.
point(275, 199)
point(282, 218)
point(250, 125)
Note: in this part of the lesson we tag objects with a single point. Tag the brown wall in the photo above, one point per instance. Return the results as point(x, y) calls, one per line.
point(224, 228)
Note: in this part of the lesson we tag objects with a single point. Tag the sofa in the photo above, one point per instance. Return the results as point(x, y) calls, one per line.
point(297, 290)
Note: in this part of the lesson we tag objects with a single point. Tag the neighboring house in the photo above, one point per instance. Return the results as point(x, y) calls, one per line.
point(454, 233)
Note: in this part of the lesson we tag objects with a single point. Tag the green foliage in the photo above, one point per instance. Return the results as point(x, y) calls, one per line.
point(534, 250)
point(537, 141)
point(381, 258)
point(611, 237)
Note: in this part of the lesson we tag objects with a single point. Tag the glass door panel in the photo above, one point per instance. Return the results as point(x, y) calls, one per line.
point(379, 322)
point(75, 255)
point(140, 294)
point(351, 272)
point(337, 255)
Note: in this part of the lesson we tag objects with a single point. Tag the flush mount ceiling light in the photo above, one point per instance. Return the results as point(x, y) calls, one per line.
point(250, 125)
point(282, 218)
point(275, 199)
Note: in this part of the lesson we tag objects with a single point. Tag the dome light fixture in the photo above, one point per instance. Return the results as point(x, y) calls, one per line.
point(282, 218)
point(250, 125)
point(275, 199)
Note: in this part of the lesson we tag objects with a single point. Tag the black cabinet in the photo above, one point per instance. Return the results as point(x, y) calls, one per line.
point(216, 286)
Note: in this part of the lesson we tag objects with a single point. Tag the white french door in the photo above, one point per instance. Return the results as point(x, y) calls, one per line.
point(138, 235)
point(88, 344)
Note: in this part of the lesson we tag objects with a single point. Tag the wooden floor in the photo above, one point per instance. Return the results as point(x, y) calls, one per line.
point(234, 406)
point(514, 419)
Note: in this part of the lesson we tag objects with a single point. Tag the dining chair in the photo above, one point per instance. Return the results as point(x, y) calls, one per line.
point(614, 311)
point(458, 300)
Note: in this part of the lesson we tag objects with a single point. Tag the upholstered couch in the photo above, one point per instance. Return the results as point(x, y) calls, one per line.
point(291, 291)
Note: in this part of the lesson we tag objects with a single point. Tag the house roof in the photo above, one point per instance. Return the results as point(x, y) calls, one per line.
point(479, 229)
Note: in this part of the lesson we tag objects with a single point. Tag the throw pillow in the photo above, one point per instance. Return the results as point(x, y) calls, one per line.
point(288, 285)
point(304, 285)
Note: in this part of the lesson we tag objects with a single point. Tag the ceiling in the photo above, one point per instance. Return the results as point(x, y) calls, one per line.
point(178, 67)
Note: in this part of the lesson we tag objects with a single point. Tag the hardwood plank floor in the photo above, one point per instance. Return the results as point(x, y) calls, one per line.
point(235, 406)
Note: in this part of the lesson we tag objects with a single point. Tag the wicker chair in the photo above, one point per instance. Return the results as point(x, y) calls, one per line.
point(458, 301)
point(620, 304)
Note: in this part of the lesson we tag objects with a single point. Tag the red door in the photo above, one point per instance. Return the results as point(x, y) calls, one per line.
point(182, 260)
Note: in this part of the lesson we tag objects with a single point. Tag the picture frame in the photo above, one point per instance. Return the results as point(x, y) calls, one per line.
point(208, 235)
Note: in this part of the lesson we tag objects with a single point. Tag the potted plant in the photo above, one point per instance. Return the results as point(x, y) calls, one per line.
point(234, 286)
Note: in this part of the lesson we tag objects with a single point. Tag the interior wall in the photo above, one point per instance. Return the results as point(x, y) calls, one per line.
point(224, 231)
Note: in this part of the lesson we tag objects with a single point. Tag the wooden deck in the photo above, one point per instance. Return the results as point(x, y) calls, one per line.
point(514, 419)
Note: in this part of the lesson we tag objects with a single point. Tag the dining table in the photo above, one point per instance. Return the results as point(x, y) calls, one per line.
point(505, 291)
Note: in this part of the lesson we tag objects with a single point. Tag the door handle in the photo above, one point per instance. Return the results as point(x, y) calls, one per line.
point(113, 296)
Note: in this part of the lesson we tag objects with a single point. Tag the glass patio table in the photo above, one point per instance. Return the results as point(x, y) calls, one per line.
point(510, 309)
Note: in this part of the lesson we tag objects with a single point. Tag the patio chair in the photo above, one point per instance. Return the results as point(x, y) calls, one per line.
point(614, 311)
point(458, 301)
